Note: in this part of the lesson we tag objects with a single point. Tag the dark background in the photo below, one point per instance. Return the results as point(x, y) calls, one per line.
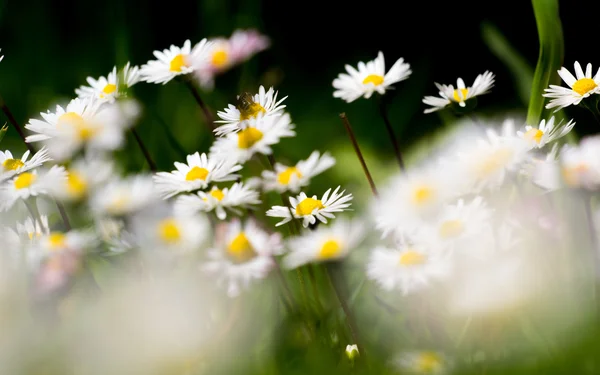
point(51, 47)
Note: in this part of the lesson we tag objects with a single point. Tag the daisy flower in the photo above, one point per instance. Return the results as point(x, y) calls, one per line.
point(110, 87)
point(408, 267)
point(579, 88)
point(311, 209)
point(64, 241)
point(544, 172)
point(199, 171)
point(232, 199)
point(258, 135)
point(83, 177)
point(29, 184)
point(286, 178)
point(10, 166)
point(324, 244)
point(422, 362)
point(33, 229)
point(545, 133)
point(175, 61)
point(369, 78)
point(124, 196)
point(448, 94)
point(242, 254)
point(580, 165)
point(249, 106)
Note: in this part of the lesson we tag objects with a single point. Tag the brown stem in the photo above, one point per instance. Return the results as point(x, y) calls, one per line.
point(358, 153)
point(15, 124)
point(390, 130)
point(207, 114)
point(140, 143)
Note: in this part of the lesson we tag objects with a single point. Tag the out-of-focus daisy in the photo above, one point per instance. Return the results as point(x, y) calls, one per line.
point(110, 87)
point(112, 233)
point(241, 255)
point(580, 165)
point(33, 229)
point(309, 209)
point(422, 362)
point(324, 244)
point(579, 88)
point(286, 178)
point(258, 135)
point(352, 351)
point(175, 61)
point(485, 162)
point(249, 106)
point(545, 133)
point(83, 176)
point(84, 123)
point(408, 267)
point(65, 241)
point(29, 184)
point(448, 94)
point(199, 171)
point(236, 197)
point(544, 172)
point(124, 196)
point(10, 166)
point(369, 78)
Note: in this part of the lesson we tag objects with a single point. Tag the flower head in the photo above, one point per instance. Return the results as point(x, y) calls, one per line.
point(10, 166)
point(29, 184)
point(579, 88)
point(461, 94)
point(285, 178)
point(234, 198)
point(175, 61)
point(110, 87)
point(546, 132)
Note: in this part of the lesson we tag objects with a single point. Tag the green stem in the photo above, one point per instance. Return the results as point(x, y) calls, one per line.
point(390, 130)
point(210, 122)
point(142, 146)
point(15, 124)
point(361, 159)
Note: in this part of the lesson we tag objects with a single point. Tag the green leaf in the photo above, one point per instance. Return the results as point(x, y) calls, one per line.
point(520, 69)
point(550, 56)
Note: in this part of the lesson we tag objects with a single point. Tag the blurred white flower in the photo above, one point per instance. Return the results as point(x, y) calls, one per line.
point(110, 87)
point(580, 164)
point(545, 133)
point(234, 198)
point(124, 196)
point(425, 362)
point(285, 178)
point(29, 184)
point(10, 166)
point(175, 61)
point(448, 94)
point(83, 176)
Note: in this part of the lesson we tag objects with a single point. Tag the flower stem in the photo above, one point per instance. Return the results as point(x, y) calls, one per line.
point(15, 124)
point(348, 127)
point(63, 215)
point(207, 114)
point(140, 143)
point(390, 130)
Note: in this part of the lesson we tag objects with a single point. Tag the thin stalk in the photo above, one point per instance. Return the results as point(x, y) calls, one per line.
point(332, 272)
point(288, 299)
point(15, 124)
point(140, 143)
point(63, 215)
point(37, 222)
point(210, 121)
point(390, 130)
point(348, 127)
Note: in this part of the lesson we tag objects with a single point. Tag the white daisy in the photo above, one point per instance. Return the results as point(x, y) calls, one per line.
point(545, 133)
point(32, 230)
point(258, 135)
point(580, 165)
point(84, 176)
point(241, 255)
point(249, 106)
point(369, 78)
point(327, 243)
point(199, 171)
point(544, 172)
point(236, 197)
point(311, 209)
point(286, 178)
point(448, 94)
point(110, 87)
point(408, 267)
point(175, 61)
point(10, 166)
point(579, 88)
point(64, 241)
point(124, 196)
point(29, 184)
point(422, 362)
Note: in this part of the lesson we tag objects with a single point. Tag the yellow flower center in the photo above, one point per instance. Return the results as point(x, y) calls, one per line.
point(240, 249)
point(12, 164)
point(492, 163)
point(118, 205)
point(456, 95)
point(307, 206)
point(32, 234)
point(217, 194)
point(423, 194)
point(24, 180)
point(571, 174)
point(57, 241)
point(534, 135)
point(412, 258)
point(196, 173)
point(248, 137)
point(177, 63)
point(109, 88)
point(285, 176)
point(76, 185)
point(330, 249)
point(168, 231)
point(584, 85)
point(451, 228)
point(374, 79)
point(72, 119)
point(428, 362)
point(220, 58)
point(251, 111)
